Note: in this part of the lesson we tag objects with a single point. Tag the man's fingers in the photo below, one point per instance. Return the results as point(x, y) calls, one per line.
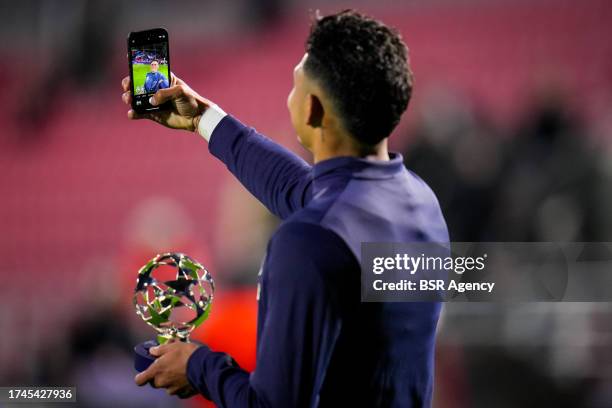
point(167, 94)
point(154, 116)
point(173, 390)
point(175, 80)
point(127, 97)
point(161, 381)
point(125, 83)
point(146, 376)
point(134, 115)
point(161, 350)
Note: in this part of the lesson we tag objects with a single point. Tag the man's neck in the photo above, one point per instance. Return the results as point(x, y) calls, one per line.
point(377, 152)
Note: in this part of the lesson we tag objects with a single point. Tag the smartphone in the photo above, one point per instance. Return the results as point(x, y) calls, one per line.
point(149, 65)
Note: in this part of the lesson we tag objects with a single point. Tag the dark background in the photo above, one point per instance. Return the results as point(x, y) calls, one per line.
point(510, 124)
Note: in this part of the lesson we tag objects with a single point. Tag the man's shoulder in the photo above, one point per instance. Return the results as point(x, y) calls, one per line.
point(401, 208)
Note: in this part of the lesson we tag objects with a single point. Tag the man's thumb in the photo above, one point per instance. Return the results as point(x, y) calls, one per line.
point(166, 94)
point(158, 350)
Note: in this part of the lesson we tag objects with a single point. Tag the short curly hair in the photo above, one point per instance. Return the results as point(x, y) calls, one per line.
point(363, 66)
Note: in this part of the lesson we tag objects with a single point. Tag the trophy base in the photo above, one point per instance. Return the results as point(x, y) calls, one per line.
point(142, 358)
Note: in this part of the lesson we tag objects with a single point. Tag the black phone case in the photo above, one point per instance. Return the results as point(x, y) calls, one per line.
point(141, 104)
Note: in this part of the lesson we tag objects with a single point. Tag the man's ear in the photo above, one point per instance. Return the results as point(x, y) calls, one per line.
point(316, 112)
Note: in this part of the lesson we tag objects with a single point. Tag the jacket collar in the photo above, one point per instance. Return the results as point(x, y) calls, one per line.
point(360, 168)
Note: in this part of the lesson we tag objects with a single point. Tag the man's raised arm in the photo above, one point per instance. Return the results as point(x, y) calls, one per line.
point(278, 178)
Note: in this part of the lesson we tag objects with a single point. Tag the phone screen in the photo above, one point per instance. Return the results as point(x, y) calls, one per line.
point(149, 60)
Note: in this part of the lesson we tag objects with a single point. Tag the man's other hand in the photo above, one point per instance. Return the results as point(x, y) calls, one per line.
point(169, 370)
point(186, 109)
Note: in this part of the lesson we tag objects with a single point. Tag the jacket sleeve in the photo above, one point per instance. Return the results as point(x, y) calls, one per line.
point(300, 328)
point(278, 178)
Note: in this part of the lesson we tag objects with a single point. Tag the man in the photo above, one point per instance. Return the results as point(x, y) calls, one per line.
point(155, 80)
point(317, 344)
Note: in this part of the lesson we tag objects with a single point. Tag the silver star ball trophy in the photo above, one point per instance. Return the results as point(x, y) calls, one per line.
point(174, 308)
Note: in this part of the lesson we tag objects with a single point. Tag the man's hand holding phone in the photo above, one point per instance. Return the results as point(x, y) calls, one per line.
point(187, 106)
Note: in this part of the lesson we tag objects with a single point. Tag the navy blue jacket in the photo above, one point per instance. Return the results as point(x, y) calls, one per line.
point(317, 343)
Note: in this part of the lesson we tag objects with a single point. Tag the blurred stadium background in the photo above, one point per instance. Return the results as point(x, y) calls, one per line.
point(510, 124)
